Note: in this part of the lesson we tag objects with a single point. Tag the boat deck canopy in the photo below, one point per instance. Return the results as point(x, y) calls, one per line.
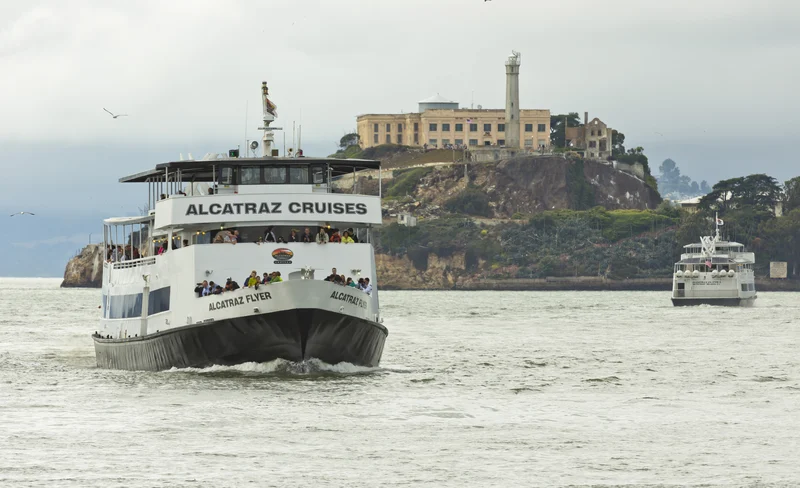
point(203, 170)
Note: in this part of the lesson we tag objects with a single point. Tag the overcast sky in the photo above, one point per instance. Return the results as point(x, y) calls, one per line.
point(711, 83)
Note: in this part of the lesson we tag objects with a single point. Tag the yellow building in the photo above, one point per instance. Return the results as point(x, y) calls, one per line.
point(440, 123)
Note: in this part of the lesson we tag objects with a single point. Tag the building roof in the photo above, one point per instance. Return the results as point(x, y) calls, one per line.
point(202, 170)
point(437, 99)
point(691, 201)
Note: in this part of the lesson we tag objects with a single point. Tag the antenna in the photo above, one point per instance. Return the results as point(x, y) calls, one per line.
point(246, 107)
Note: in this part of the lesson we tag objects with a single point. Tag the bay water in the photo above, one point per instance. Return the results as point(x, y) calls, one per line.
point(474, 389)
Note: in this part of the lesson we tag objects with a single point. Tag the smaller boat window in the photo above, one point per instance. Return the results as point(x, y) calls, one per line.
point(298, 175)
point(250, 175)
point(275, 175)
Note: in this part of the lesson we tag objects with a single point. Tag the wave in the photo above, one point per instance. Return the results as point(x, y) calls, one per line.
point(280, 367)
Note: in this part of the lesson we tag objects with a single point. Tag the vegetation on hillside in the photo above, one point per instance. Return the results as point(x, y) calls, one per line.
point(611, 243)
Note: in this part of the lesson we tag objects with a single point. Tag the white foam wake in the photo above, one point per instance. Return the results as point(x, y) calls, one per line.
point(280, 366)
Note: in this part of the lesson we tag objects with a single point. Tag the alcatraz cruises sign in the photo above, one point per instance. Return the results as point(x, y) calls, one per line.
point(315, 207)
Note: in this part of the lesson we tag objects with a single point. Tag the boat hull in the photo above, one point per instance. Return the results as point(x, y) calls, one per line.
point(724, 302)
point(293, 335)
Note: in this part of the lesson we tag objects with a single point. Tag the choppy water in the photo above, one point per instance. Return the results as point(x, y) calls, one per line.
point(475, 389)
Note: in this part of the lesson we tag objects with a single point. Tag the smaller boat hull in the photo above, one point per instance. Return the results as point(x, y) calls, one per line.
point(724, 302)
point(293, 335)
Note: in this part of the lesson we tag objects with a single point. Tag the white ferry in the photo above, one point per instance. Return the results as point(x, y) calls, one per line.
point(714, 272)
point(157, 312)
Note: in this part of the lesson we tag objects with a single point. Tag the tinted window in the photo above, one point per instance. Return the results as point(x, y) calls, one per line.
point(275, 175)
point(227, 176)
point(298, 175)
point(251, 175)
point(317, 175)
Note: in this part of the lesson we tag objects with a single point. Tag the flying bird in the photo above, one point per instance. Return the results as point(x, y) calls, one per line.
point(115, 116)
point(22, 213)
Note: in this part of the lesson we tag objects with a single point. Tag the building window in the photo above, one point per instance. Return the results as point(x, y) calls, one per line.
point(445, 142)
point(487, 127)
point(374, 138)
point(501, 127)
point(399, 127)
point(542, 142)
point(432, 127)
point(388, 127)
point(416, 126)
point(459, 127)
point(433, 142)
point(473, 142)
point(528, 127)
point(592, 132)
point(375, 128)
point(487, 143)
point(416, 138)
point(592, 143)
point(473, 128)
point(542, 127)
point(528, 142)
point(399, 138)
point(445, 127)
point(388, 138)
point(501, 142)
point(459, 142)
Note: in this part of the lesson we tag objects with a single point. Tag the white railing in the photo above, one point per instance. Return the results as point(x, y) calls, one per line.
point(134, 263)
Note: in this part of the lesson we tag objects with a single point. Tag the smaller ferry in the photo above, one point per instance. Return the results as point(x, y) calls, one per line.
point(714, 272)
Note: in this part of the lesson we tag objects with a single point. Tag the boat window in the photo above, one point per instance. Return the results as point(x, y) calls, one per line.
point(250, 175)
point(298, 175)
point(681, 286)
point(227, 176)
point(275, 175)
point(317, 175)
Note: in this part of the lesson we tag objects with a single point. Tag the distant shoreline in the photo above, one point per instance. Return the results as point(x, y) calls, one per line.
point(590, 284)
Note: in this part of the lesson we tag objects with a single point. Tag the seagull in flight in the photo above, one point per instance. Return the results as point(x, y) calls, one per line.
point(22, 213)
point(115, 116)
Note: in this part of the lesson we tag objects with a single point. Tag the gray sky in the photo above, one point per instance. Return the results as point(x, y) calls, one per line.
point(717, 78)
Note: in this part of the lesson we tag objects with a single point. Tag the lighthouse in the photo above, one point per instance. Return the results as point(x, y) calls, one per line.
point(512, 101)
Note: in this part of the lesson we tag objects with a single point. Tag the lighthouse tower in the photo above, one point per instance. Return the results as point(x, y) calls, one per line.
point(512, 100)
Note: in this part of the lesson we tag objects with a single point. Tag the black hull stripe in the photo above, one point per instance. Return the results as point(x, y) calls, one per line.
point(725, 302)
point(293, 335)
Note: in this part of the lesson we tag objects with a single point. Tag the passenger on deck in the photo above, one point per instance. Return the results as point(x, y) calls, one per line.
point(218, 290)
point(266, 279)
point(346, 239)
point(211, 287)
point(351, 283)
point(276, 277)
point(202, 289)
point(231, 285)
point(352, 234)
point(293, 236)
point(269, 235)
point(307, 236)
point(367, 287)
point(185, 243)
point(280, 240)
point(253, 281)
point(360, 285)
point(322, 236)
point(331, 276)
point(335, 237)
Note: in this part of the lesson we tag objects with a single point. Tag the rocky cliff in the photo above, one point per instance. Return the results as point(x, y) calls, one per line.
point(86, 269)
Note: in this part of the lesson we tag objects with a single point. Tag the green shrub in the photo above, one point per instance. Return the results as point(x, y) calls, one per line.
point(470, 201)
point(405, 181)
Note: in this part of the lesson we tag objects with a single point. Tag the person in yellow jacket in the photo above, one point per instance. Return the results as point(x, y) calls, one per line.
point(253, 281)
point(346, 239)
point(276, 278)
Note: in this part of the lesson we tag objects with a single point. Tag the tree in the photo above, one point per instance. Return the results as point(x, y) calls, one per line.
point(695, 188)
point(791, 194)
point(759, 191)
point(781, 238)
point(704, 188)
point(347, 140)
point(617, 143)
point(557, 127)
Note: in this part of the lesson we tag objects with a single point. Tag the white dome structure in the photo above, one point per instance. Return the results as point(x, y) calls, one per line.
point(437, 102)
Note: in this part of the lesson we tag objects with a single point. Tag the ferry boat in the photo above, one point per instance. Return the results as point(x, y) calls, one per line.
point(714, 272)
point(157, 312)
